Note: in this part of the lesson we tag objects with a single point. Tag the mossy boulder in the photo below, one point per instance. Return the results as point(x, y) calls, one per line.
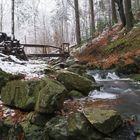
point(51, 97)
point(4, 128)
point(73, 81)
point(33, 132)
point(79, 128)
point(10, 131)
point(77, 68)
point(75, 126)
point(105, 121)
point(135, 77)
point(37, 119)
point(6, 77)
point(21, 94)
point(75, 94)
point(56, 128)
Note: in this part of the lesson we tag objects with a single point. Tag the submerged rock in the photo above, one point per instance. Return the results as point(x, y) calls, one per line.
point(51, 97)
point(74, 81)
point(105, 121)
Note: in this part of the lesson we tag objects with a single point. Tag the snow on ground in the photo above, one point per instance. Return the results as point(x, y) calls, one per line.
point(31, 68)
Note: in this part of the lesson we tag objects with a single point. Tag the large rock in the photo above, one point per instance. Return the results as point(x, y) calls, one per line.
point(75, 94)
point(51, 97)
point(79, 128)
point(33, 132)
point(38, 119)
point(74, 81)
point(21, 94)
point(3, 130)
point(6, 77)
point(10, 131)
point(56, 128)
point(77, 68)
point(105, 121)
point(75, 126)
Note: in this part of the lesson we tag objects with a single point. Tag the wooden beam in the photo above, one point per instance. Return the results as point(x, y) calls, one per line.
point(39, 46)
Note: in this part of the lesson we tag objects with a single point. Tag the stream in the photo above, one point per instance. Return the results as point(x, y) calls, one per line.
point(114, 88)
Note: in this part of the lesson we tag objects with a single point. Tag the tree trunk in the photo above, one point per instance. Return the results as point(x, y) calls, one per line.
point(128, 14)
point(77, 19)
point(13, 20)
point(1, 18)
point(92, 24)
point(114, 14)
point(138, 4)
point(121, 11)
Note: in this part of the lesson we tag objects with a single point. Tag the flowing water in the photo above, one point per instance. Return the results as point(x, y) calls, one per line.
point(114, 88)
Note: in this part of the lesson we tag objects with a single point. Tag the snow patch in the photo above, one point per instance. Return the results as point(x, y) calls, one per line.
point(31, 68)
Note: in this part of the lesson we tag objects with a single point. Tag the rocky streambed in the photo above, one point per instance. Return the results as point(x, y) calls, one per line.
point(57, 107)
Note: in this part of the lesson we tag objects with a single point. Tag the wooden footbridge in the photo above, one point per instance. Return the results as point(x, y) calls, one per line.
point(42, 50)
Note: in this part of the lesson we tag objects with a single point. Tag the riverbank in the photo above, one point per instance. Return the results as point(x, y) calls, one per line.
point(113, 49)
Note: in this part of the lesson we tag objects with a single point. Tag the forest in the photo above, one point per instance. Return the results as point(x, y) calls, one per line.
point(69, 69)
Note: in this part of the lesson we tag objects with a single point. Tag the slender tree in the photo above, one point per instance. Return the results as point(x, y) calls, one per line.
point(121, 11)
point(128, 14)
point(13, 19)
point(114, 14)
point(1, 18)
point(77, 19)
point(92, 24)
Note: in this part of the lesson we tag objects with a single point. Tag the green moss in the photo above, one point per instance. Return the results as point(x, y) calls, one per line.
point(135, 77)
point(117, 45)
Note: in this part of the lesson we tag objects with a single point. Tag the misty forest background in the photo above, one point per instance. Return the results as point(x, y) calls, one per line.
point(53, 21)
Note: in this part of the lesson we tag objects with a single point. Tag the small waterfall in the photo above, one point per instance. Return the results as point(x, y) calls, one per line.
point(101, 95)
point(105, 76)
point(112, 76)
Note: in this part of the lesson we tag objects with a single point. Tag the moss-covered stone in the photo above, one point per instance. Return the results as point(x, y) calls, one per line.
point(105, 121)
point(4, 128)
point(79, 128)
point(75, 126)
point(56, 128)
point(51, 97)
point(77, 68)
point(37, 119)
point(21, 94)
point(135, 77)
point(4, 78)
point(74, 81)
point(33, 132)
point(75, 94)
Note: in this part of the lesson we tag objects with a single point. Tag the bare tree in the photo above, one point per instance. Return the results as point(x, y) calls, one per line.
point(13, 19)
point(77, 19)
point(121, 11)
point(114, 14)
point(1, 18)
point(92, 24)
point(128, 14)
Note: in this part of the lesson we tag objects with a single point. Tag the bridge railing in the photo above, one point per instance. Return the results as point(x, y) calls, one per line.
point(32, 49)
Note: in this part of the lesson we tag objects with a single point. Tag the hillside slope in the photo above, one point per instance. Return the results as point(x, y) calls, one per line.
point(112, 48)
